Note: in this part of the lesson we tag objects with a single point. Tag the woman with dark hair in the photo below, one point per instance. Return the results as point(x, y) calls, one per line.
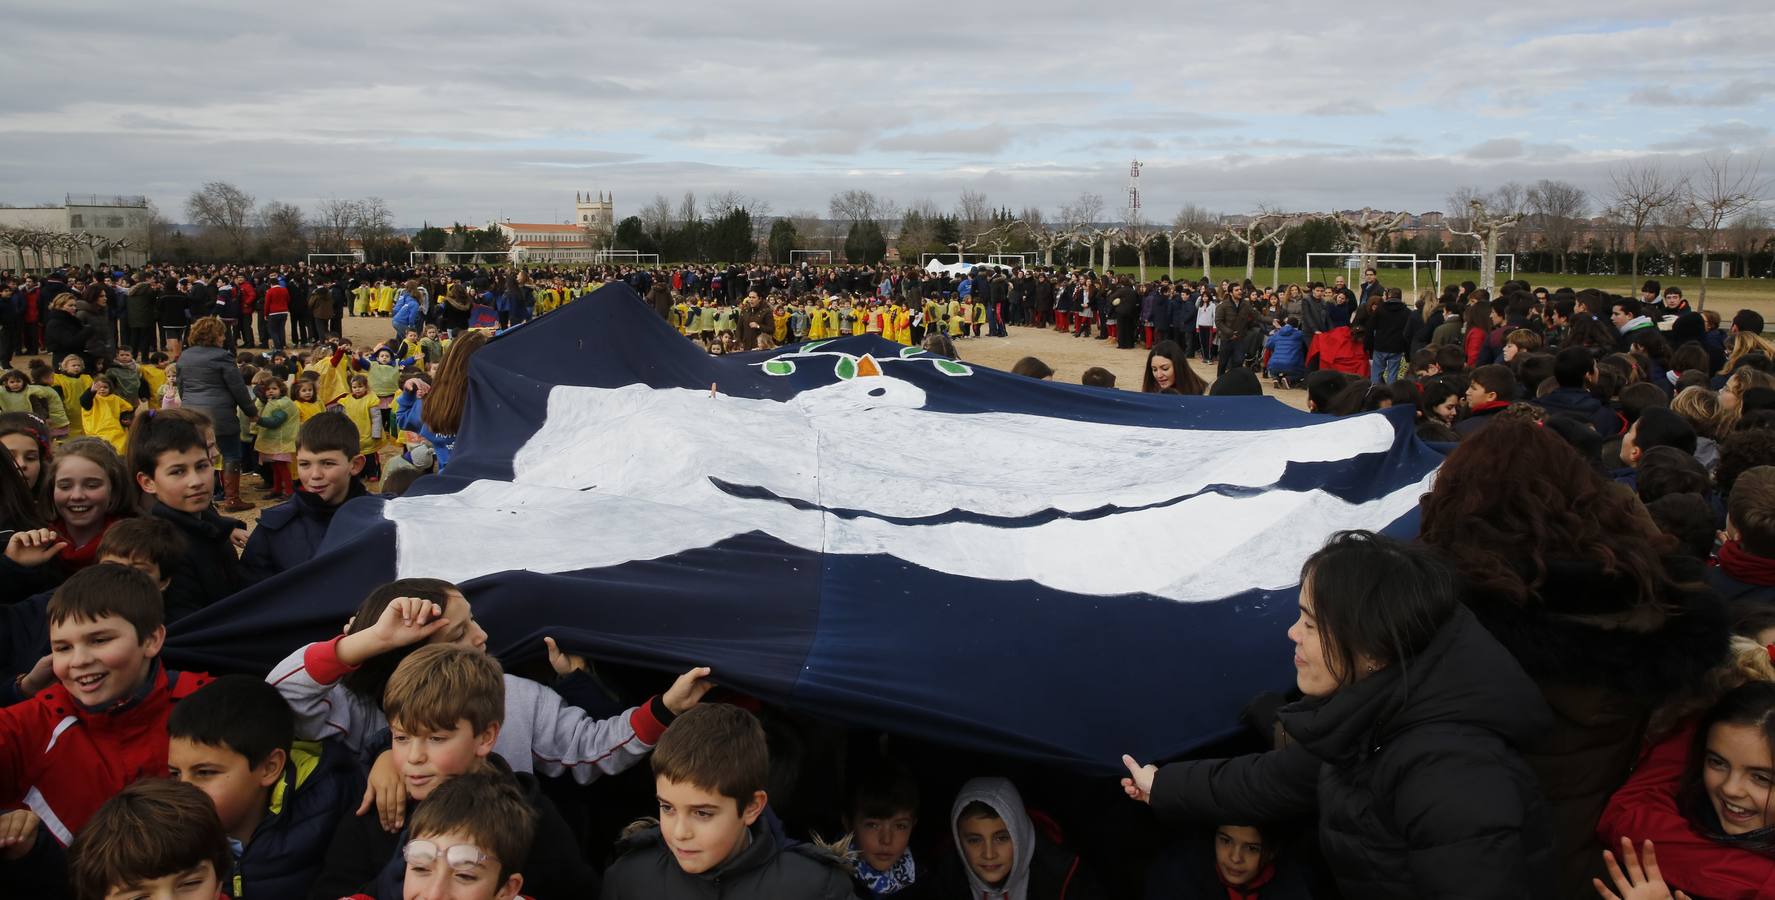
point(1168, 372)
point(433, 409)
point(1572, 576)
point(1404, 745)
point(1476, 325)
point(457, 303)
point(1705, 795)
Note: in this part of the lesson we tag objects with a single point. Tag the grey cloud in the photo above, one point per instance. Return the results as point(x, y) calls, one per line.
point(1350, 107)
point(1737, 93)
point(989, 139)
point(1496, 148)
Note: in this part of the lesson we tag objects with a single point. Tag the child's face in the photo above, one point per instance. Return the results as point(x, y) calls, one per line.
point(426, 758)
point(701, 827)
point(101, 388)
point(1238, 853)
point(101, 660)
point(1445, 411)
point(432, 876)
point(1630, 446)
point(81, 493)
point(989, 848)
point(1477, 394)
point(239, 789)
point(13, 383)
point(182, 479)
point(359, 389)
point(124, 356)
point(27, 455)
point(274, 390)
point(199, 883)
point(384, 357)
point(881, 842)
point(73, 365)
point(327, 474)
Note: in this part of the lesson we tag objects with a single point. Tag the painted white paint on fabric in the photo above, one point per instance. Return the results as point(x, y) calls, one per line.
point(624, 474)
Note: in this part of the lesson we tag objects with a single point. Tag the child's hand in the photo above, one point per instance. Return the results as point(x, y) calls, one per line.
point(1139, 783)
point(41, 676)
point(18, 833)
point(1637, 883)
point(407, 620)
point(564, 664)
point(238, 537)
point(386, 792)
point(688, 690)
point(34, 547)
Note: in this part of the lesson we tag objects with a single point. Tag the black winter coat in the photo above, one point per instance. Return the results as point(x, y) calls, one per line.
point(64, 333)
point(1414, 773)
point(1603, 665)
point(289, 533)
point(1390, 327)
point(209, 570)
point(645, 869)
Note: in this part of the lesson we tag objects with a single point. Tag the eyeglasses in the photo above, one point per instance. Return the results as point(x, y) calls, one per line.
point(460, 857)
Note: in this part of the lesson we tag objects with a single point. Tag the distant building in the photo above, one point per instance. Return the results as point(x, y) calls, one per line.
point(110, 217)
point(579, 241)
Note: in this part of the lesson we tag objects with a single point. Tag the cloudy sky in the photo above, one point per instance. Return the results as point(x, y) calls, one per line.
point(466, 111)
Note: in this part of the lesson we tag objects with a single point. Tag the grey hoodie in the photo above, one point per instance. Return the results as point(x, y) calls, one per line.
point(1002, 796)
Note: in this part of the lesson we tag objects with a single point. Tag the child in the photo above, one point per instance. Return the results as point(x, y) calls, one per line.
point(156, 839)
point(1746, 570)
point(1098, 376)
point(1241, 862)
point(234, 739)
point(276, 440)
point(445, 707)
point(105, 634)
point(169, 389)
point(1001, 854)
point(307, 397)
point(289, 533)
point(173, 466)
point(1491, 389)
point(25, 438)
point(336, 687)
point(19, 395)
point(470, 841)
point(1288, 354)
point(431, 347)
point(361, 407)
point(42, 383)
point(709, 773)
point(385, 382)
point(154, 378)
point(72, 381)
point(149, 546)
point(883, 812)
point(105, 413)
point(126, 376)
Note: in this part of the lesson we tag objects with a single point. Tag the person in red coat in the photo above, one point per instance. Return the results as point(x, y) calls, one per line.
point(73, 745)
point(1338, 350)
point(1703, 797)
point(277, 313)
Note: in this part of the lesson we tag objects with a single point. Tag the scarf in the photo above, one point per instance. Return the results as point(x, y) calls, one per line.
point(884, 884)
point(1248, 890)
point(1745, 565)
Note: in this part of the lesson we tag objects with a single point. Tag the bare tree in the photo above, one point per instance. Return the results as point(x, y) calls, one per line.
point(16, 239)
point(1722, 189)
point(1140, 235)
point(1486, 228)
point(687, 209)
point(226, 210)
point(861, 206)
point(1046, 239)
point(1252, 233)
point(972, 212)
point(656, 216)
point(1082, 212)
point(1203, 241)
point(1640, 193)
point(1368, 231)
point(332, 226)
point(1276, 238)
point(1559, 208)
point(282, 227)
point(1747, 235)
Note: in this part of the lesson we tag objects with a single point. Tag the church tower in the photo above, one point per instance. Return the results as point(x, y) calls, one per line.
point(595, 212)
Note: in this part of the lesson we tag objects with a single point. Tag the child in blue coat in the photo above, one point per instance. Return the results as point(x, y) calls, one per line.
point(1288, 353)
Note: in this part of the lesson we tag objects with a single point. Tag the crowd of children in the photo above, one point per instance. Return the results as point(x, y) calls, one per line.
point(1573, 657)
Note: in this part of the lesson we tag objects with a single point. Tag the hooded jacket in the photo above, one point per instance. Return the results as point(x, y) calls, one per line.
point(1040, 869)
point(766, 869)
point(320, 782)
point(1390, 326)
point(289, 533)
point(1288, 349)
point(1583, 406)
point(1413, 772)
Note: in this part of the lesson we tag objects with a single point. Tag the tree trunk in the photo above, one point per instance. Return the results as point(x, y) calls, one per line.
point(1276, 270)
point(1703, 302)
point(1488, 263)
point(1171, 260)
point(1091, 258)
point(1250, 260)
point(1106, 262)
point(1140, 254)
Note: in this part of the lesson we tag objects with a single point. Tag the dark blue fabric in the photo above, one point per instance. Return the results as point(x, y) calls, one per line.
point(1012, 667)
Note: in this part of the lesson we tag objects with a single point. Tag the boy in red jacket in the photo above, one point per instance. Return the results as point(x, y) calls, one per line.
point(73, 745)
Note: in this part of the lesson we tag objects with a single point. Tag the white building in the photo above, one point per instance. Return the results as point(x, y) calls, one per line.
point(108, 217)
point(580, 241)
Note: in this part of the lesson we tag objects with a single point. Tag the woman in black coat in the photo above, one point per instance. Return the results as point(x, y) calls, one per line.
point(65, 333)
point(1405, 744)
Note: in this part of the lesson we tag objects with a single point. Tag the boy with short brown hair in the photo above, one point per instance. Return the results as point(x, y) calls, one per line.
point(709, 772)
point(155, 838)
point(1746, 570)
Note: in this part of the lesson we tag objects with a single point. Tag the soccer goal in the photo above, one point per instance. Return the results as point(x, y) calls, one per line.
point(1352, 263)
point(799, 256)
point(1018, 260)
point(418, 256)
point(355, 255)
point(1476, 256)
point(634, 257)
point(924, 259)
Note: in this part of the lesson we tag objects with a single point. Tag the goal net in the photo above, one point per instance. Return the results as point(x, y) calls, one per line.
point(1353, 263)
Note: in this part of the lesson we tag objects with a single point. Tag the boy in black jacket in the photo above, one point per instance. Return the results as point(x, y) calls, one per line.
point(327, 464)
point(445, 704)
point(171, 461)
point(709, 771)
point(235, 739)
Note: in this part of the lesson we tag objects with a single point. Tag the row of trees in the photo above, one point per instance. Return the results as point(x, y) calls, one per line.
point(235, 227)
point(39, 248)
